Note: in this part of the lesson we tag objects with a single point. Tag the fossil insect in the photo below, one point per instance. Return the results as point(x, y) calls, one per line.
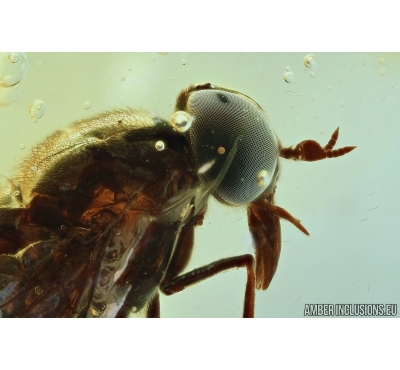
point(100, 218)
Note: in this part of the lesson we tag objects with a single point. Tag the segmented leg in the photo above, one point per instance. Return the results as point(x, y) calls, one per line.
point(264, 224)
point(193, 277)
point(310, 150)
point(282, 213)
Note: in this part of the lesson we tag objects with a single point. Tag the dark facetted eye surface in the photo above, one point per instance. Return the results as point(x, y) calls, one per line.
point(221, 118)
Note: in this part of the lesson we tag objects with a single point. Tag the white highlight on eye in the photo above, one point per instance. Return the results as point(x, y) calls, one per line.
point(205, 167)
point(263, 178)
point(181, 121)
point(160, 145)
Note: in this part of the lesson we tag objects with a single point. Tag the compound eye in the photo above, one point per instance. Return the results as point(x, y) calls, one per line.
point(221, 119)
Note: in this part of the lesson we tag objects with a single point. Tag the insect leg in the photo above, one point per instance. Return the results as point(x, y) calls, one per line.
point(195, 276)
point(172, 283)
point(263, 217)
point(265, 228)
point(310, 150)
point(282, 213)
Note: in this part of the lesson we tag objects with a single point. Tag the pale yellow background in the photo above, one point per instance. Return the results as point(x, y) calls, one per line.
point(352, 254)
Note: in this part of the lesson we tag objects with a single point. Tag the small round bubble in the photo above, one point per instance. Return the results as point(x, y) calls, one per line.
point(117, 232)
point(289, 77)
point(39, 290)
point(86, 105)
point(22, 146)
point(160, 145)
point(181, 121)
point(183, 62)
point(13, 57)
point(13, 68)
point(310, 61)
point(37, 109)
